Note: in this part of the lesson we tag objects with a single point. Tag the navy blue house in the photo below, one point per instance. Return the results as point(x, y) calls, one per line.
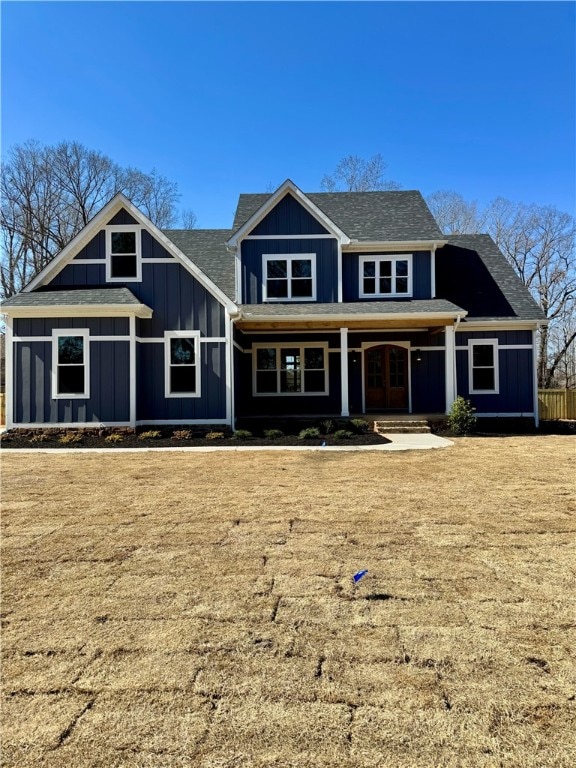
point(324, 304)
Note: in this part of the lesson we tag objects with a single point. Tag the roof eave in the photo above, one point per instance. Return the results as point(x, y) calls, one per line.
point(79, 310)
point(348, 316)
point(390, 245)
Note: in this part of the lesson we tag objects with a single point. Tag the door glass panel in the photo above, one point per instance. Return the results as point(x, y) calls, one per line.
point(375, 379)
point(396, 362)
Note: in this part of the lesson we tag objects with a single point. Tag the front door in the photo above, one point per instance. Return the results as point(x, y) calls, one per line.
point(386, 378)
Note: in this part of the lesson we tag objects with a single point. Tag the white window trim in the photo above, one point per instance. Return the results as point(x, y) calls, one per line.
point(487, 343)
point(285, 345)
point(56, 334)
point(167, 365)
point(379, 257)
point(123, 228)
point(289, 257)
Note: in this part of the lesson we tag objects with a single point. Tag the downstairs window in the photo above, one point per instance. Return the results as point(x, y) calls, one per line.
point(70, 369)
point(181, 364)
point(483, 366)
point(290, 369)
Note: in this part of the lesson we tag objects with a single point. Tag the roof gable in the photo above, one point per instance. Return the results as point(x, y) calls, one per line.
point(363, 216)
point(257, 214)
point(289, 216)
point(110, 213)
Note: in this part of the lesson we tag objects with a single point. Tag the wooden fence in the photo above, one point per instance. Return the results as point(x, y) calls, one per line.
point(557, 403)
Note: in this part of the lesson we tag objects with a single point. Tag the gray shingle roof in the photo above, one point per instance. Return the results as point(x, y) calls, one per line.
point(207, 249)
point(430, 306)
point(363, 216)
point(481, 280)
point(73, 298)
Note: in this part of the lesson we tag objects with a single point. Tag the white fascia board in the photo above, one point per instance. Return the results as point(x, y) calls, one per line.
point(285, 188)
point(501, 325)
point(389, 246)
point(81, 310)
point(432, 316)
point(118, 202)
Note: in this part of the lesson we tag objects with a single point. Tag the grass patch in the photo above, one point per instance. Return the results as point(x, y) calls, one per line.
point(149, 622)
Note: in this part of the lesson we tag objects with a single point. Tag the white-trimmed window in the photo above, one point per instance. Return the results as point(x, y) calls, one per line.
point(182, 364)
point(483, 366)
point(290, 369)
point(386, 276)
point(70, 363)
point(123, 253)
point(289, 277)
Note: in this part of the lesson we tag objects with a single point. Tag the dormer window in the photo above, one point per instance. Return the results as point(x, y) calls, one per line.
point(123, 254)
point(289, 277)
point(386, 276)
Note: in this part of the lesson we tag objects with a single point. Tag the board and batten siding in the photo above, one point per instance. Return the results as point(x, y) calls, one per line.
point(153, 406)
point(421, 275)
point(179, 303)
point(98, 326)
point(289, 217)
point(326, 277)
point(109, 385)
point(515, 371)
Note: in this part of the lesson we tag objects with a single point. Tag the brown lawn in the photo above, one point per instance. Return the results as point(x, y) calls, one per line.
point(179, 609)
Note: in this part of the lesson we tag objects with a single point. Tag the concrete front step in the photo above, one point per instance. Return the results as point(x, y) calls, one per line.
point(391, 426)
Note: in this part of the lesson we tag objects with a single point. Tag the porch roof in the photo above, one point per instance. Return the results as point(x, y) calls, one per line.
point(413, 313)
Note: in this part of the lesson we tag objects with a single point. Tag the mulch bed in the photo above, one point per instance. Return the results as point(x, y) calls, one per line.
point(97, 439)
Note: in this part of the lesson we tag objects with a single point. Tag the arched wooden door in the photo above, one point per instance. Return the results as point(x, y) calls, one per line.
point(386, 378)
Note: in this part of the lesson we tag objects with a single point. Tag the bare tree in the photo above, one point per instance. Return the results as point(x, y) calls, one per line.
point(49, 193)
point(188, 219)
point(455, 216)
point(354, 174)
point(539, 243)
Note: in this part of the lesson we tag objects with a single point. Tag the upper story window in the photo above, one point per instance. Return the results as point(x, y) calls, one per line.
point(289, 277)
point(123, 253)
point(386, 276)
point(483, 366)
point(70, 364)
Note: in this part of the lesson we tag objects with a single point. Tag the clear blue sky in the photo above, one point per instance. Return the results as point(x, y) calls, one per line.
point(478, 97)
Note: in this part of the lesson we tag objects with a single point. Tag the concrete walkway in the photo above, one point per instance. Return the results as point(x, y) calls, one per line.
point(398, 442)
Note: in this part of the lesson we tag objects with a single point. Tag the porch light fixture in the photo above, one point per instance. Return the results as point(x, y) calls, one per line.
point(418, 357)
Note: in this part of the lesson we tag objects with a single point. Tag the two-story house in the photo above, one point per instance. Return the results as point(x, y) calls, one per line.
point(324, 304)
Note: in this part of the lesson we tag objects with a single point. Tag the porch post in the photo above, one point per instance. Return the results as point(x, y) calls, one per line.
point(9, 376)
point(344, 370)
point(450, 367)
point(133, 371)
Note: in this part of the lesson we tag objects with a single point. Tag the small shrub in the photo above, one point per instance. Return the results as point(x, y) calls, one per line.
point(41, 437)
point(214, 435)
point(310, 433)
point(328, 426)
point(242, 434)
point(461, 419)
point(70, 438)
point(361, 426)
point(151, 434)
point(114, 438)
point(343, 434)
point(273, 434)
point(182, 434)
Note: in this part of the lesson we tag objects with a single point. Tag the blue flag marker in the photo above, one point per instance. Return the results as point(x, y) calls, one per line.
point(359, 575)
